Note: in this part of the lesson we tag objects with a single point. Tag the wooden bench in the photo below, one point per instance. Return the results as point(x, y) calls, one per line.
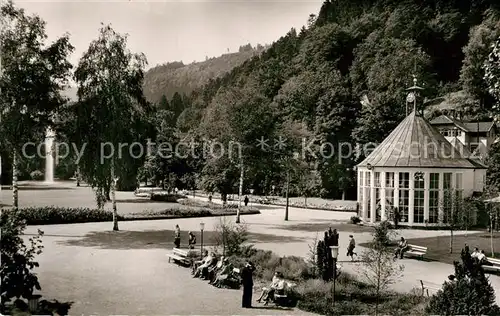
point(179, 256)
point(494, 267)
point(416, 251)
point(426, 286)
point(281, 299)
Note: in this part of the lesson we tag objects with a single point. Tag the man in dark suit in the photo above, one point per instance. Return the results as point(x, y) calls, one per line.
point(247, 281)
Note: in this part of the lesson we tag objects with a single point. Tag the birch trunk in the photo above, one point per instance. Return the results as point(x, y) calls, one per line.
point(15, 185)
point(491, 233)
point(287, 189)
point(240, 192)
point(78, 175)
point(113, 196)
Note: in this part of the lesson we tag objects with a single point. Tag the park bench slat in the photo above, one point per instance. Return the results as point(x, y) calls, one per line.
point(426, 286)
point(415, 250)
point(495, 265)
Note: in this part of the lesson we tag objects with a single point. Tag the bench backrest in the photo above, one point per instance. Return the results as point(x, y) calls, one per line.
point(417, 248)
point(494, 261)
point(180, 252)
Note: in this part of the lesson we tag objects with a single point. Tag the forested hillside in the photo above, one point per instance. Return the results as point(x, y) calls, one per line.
point(174, 77)
point(310, 82)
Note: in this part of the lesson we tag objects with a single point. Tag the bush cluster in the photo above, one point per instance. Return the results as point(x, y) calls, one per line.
point(165, 197)
point(355, 220)
point(354, 298)
point(175, 212)
point(62, 215)
point(36, 175)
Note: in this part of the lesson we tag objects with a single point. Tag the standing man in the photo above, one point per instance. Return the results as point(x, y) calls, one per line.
point(177, 237)
point(334, 238)
point(246, 200)
point(247, 281)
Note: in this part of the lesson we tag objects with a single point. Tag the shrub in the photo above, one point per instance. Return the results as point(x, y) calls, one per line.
point(165, 197)
point(267, 263)
point(470, 294)
point(62, 215)
point(37, 175)
point(231, 237)
point(17, 258)
point(355, 220)
point(353, 298)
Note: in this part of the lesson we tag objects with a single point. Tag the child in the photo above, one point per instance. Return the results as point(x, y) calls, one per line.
point(192, 240)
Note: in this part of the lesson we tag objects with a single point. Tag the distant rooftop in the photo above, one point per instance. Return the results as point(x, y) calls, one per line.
point(465, 126)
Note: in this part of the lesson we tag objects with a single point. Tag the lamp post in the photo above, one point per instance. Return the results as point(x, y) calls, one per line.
point(202, 227)
point(335, 254)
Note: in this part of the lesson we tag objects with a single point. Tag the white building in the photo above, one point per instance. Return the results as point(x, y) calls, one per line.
point(411, 170)
point(476, 137)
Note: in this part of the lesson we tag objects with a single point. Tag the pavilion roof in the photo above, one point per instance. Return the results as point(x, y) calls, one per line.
point(416, 143)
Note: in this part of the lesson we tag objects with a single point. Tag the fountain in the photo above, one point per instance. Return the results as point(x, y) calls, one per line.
point(49, 157)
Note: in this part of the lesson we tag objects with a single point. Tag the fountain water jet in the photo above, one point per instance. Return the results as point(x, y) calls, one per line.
point(49, 157)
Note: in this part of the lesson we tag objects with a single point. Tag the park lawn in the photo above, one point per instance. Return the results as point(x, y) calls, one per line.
point(438, 248)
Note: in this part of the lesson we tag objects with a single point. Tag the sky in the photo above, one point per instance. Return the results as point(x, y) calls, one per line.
point(174, 30)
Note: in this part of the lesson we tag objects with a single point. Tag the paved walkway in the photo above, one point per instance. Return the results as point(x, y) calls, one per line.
point(140, 281)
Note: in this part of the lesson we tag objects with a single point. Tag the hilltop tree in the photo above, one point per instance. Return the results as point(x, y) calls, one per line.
point(492, 76)
point(33, 76)
point(111, 110)
point(473, 76)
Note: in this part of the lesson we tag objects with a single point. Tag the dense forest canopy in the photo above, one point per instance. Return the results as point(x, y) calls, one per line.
point(352, 50)
point(340, 80)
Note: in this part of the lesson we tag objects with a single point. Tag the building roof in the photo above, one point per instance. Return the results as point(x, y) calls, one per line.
point(465, 126)
point(416, 143)
point(483, 126)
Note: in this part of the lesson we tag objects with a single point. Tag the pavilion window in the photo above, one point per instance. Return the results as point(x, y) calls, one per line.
point(404, 195)
point(389, 191)
point(418, 200)
point(368, 193)
point(377, 196)
point(361, 186)
point(434, 198)
point(448, 195)
point(459, 187)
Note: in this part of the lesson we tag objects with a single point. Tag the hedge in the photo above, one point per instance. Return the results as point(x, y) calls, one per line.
point(49, 215)
point(165, 197)
point(64, 215)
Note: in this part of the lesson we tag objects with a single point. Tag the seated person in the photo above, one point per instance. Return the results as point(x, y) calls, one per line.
point(270, 290)
point(192, 240)
point(223, 274)
point(202, 270)
point(212, 271)
point(196, 264)
point(482, 259)
point(402, 248)
point(475, 253)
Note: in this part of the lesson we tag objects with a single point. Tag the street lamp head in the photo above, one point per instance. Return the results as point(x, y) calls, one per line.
point(335, 251)
point(202, 226)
